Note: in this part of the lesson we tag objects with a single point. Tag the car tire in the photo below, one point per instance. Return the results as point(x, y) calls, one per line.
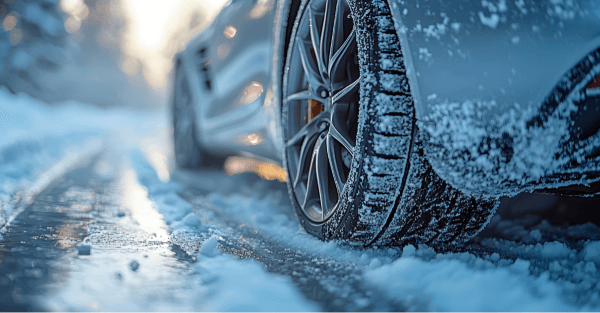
point(388, 193)
point(188, 152)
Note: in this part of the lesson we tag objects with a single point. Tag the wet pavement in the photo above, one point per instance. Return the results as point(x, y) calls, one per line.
point(35, 243)
point(133, 262)
point(42, 267)
point(95, 241)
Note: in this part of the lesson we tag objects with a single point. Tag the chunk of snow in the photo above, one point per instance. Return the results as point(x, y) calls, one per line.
point(424, 54)
point(591, 251)
point(190, 221)
point(408, 251)
point(491, 21)
point(84, 248)
point(555, 267)
point(375, 263)
point(590, 267)
point(134, 265)
point(455, 26)
point(209, 247)
point(554, 250)
point(520, 266)
point(536, 234)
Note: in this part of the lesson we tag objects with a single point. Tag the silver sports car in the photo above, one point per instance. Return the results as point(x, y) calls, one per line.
point(398, 121)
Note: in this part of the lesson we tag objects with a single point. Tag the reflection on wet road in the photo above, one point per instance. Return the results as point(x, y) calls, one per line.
point(38, 238)
point(131, 266)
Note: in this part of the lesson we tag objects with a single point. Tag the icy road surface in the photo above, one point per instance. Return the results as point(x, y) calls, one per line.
point(95, 218)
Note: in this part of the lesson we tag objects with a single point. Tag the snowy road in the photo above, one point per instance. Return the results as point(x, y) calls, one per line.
point(96, 218)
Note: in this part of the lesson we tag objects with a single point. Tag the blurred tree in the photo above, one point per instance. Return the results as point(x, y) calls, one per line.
point(35, 37)
point(68, 50)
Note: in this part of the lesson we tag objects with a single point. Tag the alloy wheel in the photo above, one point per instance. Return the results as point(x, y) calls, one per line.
point(321, 106)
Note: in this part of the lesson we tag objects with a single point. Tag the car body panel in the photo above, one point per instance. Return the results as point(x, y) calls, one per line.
point(511, 54)
point(481, 71)
point(230, 63)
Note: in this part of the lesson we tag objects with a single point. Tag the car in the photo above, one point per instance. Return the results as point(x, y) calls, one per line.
point(398, 122)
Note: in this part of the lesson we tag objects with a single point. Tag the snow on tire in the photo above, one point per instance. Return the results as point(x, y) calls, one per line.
point(391, 195)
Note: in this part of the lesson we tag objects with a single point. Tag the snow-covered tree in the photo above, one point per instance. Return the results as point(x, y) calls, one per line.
point(34, 37)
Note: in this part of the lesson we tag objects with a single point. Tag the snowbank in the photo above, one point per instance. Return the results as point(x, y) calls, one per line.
point(39, 142)
point(450, 285)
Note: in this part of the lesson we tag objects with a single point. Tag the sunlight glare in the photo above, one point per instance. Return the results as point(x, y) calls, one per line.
point(266, 170)
point(135, 199)
point(157, 30)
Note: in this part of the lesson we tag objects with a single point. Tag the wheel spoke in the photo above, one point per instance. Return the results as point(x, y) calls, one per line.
point(310, 129)
point(322, 169)
point(338, 129)
point(312, 73)
point(326, 32)
point(315, 40)
point(339, 61)
point(311, 183)
point(334, 164)
point(305, 95)
point(349, 90)
point(307, 147)
point(338, 28)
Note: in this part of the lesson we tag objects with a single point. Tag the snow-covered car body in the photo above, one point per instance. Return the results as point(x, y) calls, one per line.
point(499, 87)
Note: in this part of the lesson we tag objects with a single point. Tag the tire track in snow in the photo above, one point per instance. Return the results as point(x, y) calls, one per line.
point(73, 158)
point(335, 285)
point(324, 275)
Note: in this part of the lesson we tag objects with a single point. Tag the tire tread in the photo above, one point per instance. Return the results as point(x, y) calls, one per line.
point(421, 208)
